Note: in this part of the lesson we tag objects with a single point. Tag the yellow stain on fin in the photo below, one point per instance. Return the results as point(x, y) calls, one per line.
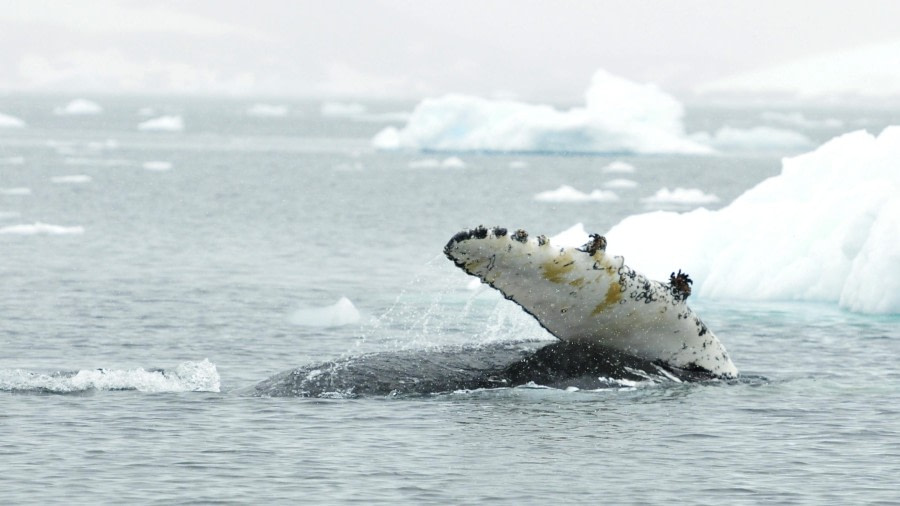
point(613, 296)
point(555, 270)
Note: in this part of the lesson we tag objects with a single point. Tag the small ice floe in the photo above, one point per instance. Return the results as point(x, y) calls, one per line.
point(619, 167)
point(566, 193)
point(267, 110)
point(342, 109)
point(73, 179)
point(157, 165)
point(343, 312)
point(452, 162)
point(518, 164)
point(79, 106)
point(7, 121)
point(620, 184)
point(39, 228)
point(162, 124)
point(15, 191)
point(686, 196)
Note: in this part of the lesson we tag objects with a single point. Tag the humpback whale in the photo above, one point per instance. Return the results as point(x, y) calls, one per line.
point(584, 295)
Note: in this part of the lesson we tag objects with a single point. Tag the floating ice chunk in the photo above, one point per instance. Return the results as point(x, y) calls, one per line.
point(680, 196)
point(799, 120)
point(566, 193)
point(73, 179)
point(267, 110)
point(754, 139)
point(573, 236)
point(825, 229)
point(39, 228)
point(157, 165)
point(518, 164)
point(619, 167)
point(433, 163)
point(7, 121)
point(620, 184)
point(15, 191)
point(186, 377)
point(619, 115)
point(79, 106)
point(341, 109)
point(162, 124)
point(12, 160)
point(343, 312)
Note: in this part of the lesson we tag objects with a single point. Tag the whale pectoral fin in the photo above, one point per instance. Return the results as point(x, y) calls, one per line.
point(584, 295)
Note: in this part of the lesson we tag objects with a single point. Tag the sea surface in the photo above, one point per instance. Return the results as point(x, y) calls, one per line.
point(141, 302)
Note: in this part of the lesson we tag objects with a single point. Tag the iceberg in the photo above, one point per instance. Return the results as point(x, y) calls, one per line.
point(162, 124)
point(566, 193)
point(79, 106)
point(824, 230)
point(7, 121)
point(619, 116)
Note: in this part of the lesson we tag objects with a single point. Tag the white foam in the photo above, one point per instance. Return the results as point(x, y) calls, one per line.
point(162, 124)
point(186, 377)
point(759, 138)
point(342, 109)
point(799, 120)
point(680, 196)
point(79, 106)
point(619, 115)
point(39, 228)
point(825, 229)
point(619, 167)
point(73, 179)
point(566, 193)
point(157, 165)
point(267, 110)
point(343, 312)
point(620, 184)
point(7, 121)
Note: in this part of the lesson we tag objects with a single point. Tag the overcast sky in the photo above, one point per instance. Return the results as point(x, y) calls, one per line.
point(526, 49)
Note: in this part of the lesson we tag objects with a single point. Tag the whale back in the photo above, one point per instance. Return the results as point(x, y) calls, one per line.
point(584, 295)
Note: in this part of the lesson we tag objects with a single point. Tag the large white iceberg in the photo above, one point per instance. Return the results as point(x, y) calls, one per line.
point(619, 116)
point(825, 229)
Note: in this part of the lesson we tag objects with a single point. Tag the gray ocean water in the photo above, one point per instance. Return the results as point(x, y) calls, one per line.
point(132, 330)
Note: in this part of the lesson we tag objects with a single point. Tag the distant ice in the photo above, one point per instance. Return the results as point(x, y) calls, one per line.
point(619, 116)
point(186, 377)
point(15, 191)
point(452, 162)
point(342, 109)
point(619, 167)
point(6, 215)
point(620, 184)
point(39, 228)
point(566, 193)
point(825, 229)
point(79, 106)
point(7, 121)
point(12, 160)
point(343, 312)
point(518, 164)
point(680, 196)
point(754, 139)
point(96, 162)
point(74, 179)
point(162, 124)
point(267, 110)
point(383, 117)
point(157, 165)
point(797, 119)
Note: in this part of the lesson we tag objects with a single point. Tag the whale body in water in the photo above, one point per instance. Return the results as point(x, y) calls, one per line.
point(613, 325)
